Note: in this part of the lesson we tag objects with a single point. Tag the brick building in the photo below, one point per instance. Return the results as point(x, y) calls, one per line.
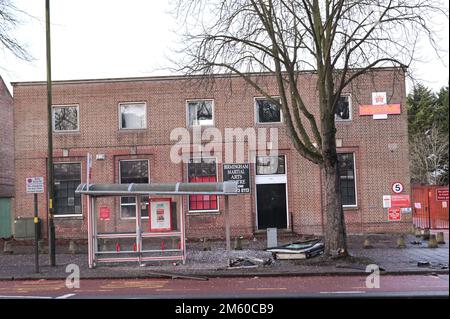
point(6, 159)
point(127, 123)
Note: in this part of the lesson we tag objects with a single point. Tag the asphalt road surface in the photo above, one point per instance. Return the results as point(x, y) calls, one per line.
point(236, 287)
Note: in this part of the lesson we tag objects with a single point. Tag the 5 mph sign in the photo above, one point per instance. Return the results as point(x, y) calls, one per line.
point(397, 187)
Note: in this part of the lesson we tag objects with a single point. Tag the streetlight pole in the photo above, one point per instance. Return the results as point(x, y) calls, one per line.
point(50, 223)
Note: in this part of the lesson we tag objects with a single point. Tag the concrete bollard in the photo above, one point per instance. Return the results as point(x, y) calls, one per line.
point(426, 234)
point(432, 243)
point(367, 244)
point(206, 245)
point(418, 232)
point(72, 247)
point(238, 243)
point(440, 238)
point(42, 246)
point(401, 242)
point(8, 248)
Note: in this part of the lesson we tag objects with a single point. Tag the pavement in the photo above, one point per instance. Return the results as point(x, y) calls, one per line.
point(213, 263)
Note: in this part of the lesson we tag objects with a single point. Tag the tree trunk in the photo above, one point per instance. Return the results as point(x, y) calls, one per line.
point(335, 232)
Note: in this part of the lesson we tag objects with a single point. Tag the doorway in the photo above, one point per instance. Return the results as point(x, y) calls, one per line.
point(271, 202)
point(271, 192)
point(5, 218)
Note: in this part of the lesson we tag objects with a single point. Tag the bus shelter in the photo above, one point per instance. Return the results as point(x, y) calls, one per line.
point(151, 225)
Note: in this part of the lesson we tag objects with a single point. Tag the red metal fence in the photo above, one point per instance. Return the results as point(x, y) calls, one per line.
point(430, 206)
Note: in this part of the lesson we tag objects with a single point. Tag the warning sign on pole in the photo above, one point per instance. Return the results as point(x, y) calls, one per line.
point(35, 185)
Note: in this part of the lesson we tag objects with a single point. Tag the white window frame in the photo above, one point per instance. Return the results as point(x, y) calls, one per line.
point(201, 125)
point(120, 116)
point(256, 111)
point(56, 106)
point(355, 180)
point(350, 109)
point(272, 179)
point(120, 182)
point(212, 211)
point(81, 179)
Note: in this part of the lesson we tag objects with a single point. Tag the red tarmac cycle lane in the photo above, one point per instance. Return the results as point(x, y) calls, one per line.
point(227, 287)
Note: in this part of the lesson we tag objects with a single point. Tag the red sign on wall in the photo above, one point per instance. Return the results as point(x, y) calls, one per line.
point(394, 214)
point(379, 109)
point(104, 213)
point(400, 201)
point(442, 194)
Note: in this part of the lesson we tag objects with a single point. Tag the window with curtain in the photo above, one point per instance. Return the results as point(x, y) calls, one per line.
point(200, 112)
point(133, 116)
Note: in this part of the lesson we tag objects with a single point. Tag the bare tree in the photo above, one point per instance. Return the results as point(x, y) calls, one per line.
point(8, 21)
point(429, 156)
point(339, 40)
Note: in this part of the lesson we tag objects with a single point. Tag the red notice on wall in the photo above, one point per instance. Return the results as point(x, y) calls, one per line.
point(104, 213)
point(394, 214)
point(400, 201)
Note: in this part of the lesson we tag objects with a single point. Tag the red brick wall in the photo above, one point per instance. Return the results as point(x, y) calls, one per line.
point(6, 142)
point(376, 166)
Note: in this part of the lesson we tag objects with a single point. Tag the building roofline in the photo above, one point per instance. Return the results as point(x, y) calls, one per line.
point(162, 78)
point(6, 87)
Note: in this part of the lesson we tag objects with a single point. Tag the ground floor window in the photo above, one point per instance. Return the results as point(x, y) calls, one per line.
point(202, 171)
point(347, 177)
point(67, 177)
point(133, 171)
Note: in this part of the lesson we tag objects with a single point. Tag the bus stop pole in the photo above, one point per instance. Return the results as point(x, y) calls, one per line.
point(36, 233)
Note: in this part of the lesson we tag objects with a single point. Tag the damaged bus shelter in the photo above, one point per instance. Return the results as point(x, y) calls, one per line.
point(156, 232)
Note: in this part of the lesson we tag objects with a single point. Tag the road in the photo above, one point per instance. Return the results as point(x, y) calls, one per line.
point(236, 287)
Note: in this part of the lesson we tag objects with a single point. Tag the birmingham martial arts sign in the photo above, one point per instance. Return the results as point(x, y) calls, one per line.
point(239, 173)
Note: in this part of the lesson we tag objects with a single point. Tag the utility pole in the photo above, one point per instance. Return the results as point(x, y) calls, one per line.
point(50, 223)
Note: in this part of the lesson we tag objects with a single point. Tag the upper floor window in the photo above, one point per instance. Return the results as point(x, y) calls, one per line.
point(65, 118)
point(200, 112)
point(133, 116)
point(347, 177)
point(267, 111)
point(343, 109)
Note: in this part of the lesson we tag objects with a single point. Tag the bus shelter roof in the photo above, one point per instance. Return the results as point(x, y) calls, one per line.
point(97, 190)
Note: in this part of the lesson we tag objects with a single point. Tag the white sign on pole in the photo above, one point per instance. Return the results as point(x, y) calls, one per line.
point(35, 185)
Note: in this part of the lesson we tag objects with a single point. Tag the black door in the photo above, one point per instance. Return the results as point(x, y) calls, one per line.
point(271, 205)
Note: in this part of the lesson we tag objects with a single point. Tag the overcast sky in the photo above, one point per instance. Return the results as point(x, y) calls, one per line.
point(114, 38)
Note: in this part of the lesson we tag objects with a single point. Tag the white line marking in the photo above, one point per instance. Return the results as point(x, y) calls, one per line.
point(30, 297)
point(343, 292)
point(65, 296)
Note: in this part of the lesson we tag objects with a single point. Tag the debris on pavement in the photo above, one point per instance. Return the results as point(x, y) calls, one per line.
point(298, 250)
point(423, 264)
point(248, 262)
point(239, 263)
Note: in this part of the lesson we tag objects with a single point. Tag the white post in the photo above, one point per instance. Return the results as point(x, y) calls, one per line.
point(183, 231)
point(90, 232)
point(227, 224)
point(138, 228)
